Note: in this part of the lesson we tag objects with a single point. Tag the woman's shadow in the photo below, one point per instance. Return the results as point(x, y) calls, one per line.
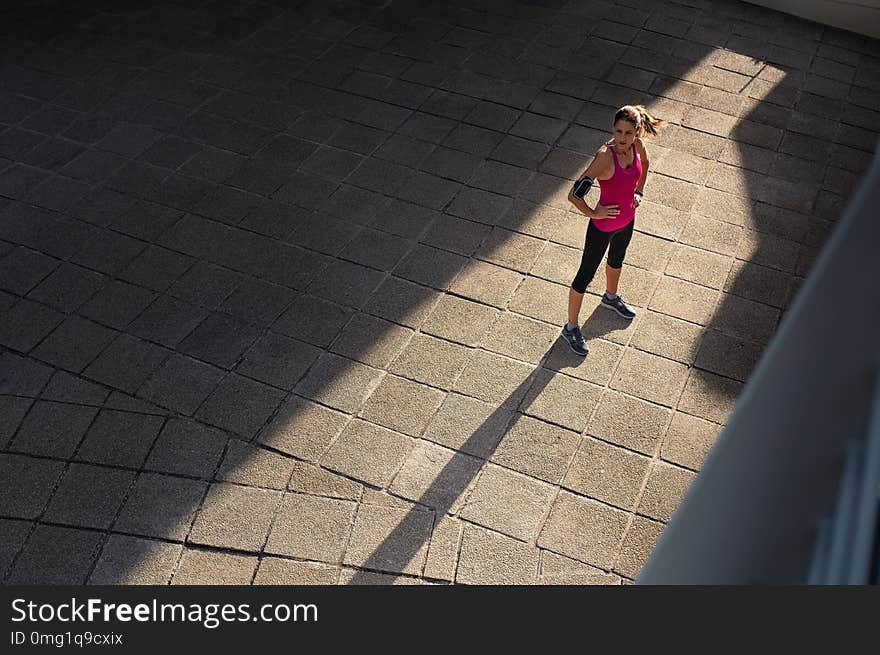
point(448, 491)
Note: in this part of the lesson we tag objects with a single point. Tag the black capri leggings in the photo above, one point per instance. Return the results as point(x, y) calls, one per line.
point(594, 248)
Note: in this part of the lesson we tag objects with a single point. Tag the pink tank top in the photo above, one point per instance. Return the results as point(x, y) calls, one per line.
point(619, 190)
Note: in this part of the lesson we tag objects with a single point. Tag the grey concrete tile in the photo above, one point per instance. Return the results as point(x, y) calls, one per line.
point(117, 304)
point(629, 422)
point(120, 438)
point(501, 178)
point(666, 486)
point(459, 320)
point(746, 319)
point(240, 405)
point(430, 266)
point(537, 449)
point(126, 363)
point(455, 234)
point(53, 429)
point(74, 344)
point(710, 234)
point(685, 300)
point(519, 337)
point(56, 556)
point(539, 299)
point(206, 284)
point(181, 383)
point(310, 527)
point(185, 447)
point(309, 479)
point(346, 283)
point(255, 466)
point(473, 139)
point(205, 567)
point(490, 558)
point(339, 382)
point(436, 477)
point(89, 496)
point(667, 336)
point(607, 473)
point(29, 484)
point(559, 570)
point(650, 377)
point(258, 301)
point(402, 405)
point(405, 219)
point(233, 516)
point(279, 571)
point(661, 221)
point(597, 367)
point(561, 399)
point(161, 506)
point(67, 287)
point(27, 323)
point(469, 425)
point(368, 453)
point(23, 269)
point(371, 340)
point(480, 206)
point(12, 411)
point(303, 428)
point(728, 356)
point(278, 360)
point(313, 320)
point(220, 340)
point(22, 376)
point(584, 530)
point(404, 150)
point(508, 502)
point(494, 379)
point(487, 283)
point(443, 550)
point(377, 250)
point(557, 263)
point(167, 321)
point(510, 249)
point(640, 540)
point(540, 128)
point(402, 302)
point(156, 268)
point(709, 396)
point(389, 539)
point(689, 440)
point(135, 561)
point(431, 361)
point(15, 533)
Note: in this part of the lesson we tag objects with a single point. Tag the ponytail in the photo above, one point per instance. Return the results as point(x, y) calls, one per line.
point(645, 122)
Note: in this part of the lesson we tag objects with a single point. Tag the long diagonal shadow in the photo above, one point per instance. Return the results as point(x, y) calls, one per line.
point(404, 543)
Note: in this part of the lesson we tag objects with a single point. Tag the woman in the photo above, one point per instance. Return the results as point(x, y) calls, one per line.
point(621, 167)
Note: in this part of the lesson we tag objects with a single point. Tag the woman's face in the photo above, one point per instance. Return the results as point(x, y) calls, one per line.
point(624, 134)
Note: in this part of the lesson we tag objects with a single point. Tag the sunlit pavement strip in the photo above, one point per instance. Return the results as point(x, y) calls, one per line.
point(282, 288)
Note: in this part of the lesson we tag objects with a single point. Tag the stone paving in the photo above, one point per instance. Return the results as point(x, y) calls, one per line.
point(282, 285)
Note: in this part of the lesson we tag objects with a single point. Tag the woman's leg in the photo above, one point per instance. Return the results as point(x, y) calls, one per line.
point(575, 300)
point(618, 243)
point(612, 278)
point(594, 249)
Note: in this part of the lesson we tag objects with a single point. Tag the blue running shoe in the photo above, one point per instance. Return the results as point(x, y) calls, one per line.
point(575, 339)
point(618, 306)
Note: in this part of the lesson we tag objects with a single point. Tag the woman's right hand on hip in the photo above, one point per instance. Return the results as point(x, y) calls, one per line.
point(606, 211)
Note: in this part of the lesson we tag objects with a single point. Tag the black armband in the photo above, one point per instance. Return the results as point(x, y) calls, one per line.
point(582, 187)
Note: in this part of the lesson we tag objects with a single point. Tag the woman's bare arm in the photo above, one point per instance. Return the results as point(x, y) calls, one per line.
point(600, 168)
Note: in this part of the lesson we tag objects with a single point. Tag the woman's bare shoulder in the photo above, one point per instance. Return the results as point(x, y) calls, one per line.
point(640, 147)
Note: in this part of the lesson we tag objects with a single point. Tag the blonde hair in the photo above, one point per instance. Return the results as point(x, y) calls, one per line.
point(644, 121)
